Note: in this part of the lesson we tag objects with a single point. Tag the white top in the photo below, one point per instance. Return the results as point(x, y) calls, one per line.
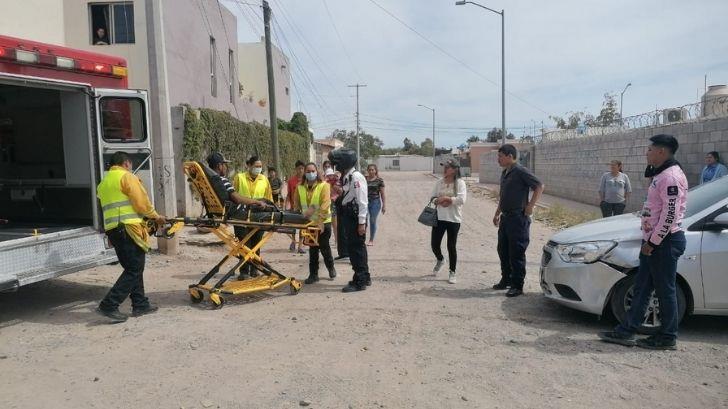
point(354, 187)
point(452, 213)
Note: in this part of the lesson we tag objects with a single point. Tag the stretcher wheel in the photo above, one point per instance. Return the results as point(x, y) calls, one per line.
point(196, 296)
point(295, 287)
point(217, 301)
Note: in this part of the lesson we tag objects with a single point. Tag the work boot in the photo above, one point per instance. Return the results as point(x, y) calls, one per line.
point(615, 337)
point(332, 273)
point(368, 283)
point(312, 278)
point(657, 342)
point(149, 309)
point(514, 292)
point(253, 272)
point(114, 315)
point(353, 288)
point(502, 285)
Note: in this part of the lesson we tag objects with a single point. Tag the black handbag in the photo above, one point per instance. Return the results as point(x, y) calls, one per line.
point(428, 217)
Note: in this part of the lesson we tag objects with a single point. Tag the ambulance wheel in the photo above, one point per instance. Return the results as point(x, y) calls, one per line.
point(217, 301)
point(196, 296)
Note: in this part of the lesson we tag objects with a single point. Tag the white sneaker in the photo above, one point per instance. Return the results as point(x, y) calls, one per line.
point(438, 266)
point(452, 279)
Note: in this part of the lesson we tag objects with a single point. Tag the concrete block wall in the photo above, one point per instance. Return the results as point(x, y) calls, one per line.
point(489, 171)
point(572, 169)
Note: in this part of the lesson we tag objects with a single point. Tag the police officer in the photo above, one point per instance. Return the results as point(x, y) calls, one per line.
point(252, 184)
point(663, 242)
point(513, 219)
point(125, 205)
point(352, 212)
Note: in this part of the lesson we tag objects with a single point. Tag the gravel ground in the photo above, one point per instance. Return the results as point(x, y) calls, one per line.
point(408, 341)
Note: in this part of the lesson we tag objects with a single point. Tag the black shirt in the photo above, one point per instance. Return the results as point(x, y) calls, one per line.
point(515, 186)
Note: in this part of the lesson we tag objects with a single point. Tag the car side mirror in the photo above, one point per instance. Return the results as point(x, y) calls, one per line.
point(719, 223)
point(722, 220)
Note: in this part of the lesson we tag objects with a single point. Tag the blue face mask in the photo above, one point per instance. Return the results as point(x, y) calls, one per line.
point(256, 171)
point(311, 176)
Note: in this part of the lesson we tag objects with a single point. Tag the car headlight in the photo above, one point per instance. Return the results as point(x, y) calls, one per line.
point(584, 252)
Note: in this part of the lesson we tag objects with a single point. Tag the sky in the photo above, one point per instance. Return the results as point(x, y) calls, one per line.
point(561, 56)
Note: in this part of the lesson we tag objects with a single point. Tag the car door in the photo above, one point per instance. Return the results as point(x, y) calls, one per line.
point(714, 255)
point(122, 122)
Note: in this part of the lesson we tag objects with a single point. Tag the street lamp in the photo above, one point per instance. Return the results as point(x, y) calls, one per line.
point(621, 98)
point(503, 62)
point(433, 135)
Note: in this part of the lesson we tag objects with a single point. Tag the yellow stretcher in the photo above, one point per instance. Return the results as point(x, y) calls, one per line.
point(218, 218)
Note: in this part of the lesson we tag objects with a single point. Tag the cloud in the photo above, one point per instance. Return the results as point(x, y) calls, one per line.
point(560, 56)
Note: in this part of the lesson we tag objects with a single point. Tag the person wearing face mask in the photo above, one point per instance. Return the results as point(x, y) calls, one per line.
point(254, 185)
point(313, 200)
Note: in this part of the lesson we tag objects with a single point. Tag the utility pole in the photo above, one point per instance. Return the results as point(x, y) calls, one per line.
point(358, 155)
point(165, 169)
point(271, 89)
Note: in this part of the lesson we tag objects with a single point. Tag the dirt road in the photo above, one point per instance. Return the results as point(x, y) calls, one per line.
point(410, 341)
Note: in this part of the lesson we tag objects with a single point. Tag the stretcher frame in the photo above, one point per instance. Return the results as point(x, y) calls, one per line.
point(238, 249)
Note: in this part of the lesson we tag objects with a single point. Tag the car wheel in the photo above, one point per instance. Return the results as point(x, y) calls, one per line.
point(621, 302)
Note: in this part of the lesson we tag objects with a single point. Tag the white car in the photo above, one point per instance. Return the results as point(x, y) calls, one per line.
point(591, 267)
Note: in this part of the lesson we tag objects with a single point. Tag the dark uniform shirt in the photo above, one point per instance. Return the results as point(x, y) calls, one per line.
point(515, 185)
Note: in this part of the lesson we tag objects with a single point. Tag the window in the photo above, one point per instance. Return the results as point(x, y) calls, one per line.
point(233, 75)
point(112, 23)
point(395, 163)
point(287, 91)
point(122, 119)
point(213, 77)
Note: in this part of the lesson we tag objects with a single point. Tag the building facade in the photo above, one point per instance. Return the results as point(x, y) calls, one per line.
point(253, 74)
point(204, 68)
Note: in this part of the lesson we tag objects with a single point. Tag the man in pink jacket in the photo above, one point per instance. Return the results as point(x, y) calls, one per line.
point(663, 244)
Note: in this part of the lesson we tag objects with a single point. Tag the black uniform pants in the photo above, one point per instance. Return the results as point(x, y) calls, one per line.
point(240, 233)
point(341, 240)
point(324, 247)
point(355, 245)
point(513, 239)
point(131, 281)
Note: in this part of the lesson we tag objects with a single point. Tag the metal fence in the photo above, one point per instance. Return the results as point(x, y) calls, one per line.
point(712, 108)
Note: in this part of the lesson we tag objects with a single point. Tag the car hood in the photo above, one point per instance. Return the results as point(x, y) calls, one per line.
point(617, 228)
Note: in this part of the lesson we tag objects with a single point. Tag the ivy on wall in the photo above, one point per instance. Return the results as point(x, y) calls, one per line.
point(208, 130)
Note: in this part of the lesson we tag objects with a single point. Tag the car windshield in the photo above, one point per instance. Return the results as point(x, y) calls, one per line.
point(704, 196)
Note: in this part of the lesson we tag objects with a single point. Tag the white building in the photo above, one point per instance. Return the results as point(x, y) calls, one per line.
point(253, 76)
point(404, 162)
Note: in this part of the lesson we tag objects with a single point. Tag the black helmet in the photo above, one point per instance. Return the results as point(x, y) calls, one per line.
point(343, 158)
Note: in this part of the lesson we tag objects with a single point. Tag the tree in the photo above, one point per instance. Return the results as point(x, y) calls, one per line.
point(409, 147)
point(573, 121)
point(473, 138)
point(369, 145)
point(496, 134)
point(609, 113)
point(426, 147)
point(298, 124)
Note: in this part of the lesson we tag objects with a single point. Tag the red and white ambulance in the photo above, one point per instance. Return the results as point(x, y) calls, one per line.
point(63, 113)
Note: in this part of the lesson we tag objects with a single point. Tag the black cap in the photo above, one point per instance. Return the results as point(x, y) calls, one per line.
point(452, 163)
point(216, 158)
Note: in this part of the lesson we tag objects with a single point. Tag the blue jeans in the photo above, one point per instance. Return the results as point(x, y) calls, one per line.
point(657, 272)
point(374, 207)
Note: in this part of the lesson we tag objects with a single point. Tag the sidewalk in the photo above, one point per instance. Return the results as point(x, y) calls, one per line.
point(548, 200)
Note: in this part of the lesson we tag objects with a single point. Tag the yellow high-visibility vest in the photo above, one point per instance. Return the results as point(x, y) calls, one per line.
point(258, 188)
point(315, 200)
point(115, 204)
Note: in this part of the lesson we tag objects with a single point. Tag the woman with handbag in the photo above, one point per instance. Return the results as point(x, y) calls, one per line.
point(448, 196)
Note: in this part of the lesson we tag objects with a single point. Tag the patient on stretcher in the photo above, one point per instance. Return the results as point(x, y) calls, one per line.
point(232, 205)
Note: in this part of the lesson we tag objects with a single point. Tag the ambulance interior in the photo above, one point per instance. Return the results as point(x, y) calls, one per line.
point(45, 161)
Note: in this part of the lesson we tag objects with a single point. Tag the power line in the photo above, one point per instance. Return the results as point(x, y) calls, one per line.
point(341, 42)
point(306, 81)
point(461, 62)
point(304, 43)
